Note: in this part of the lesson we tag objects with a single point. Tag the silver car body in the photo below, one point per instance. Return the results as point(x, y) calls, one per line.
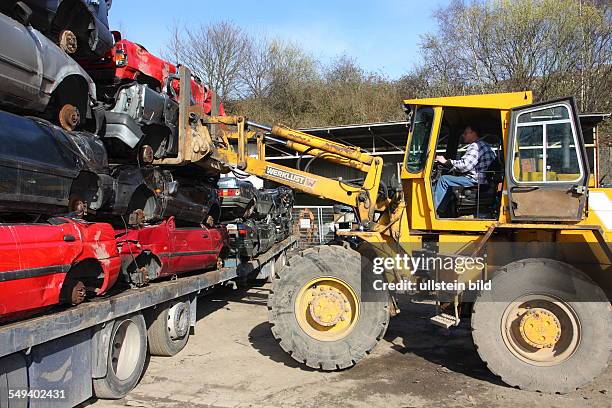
point(32, 67)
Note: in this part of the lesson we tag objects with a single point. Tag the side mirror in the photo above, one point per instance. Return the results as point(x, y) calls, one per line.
point(22, 13)
point(173, 188)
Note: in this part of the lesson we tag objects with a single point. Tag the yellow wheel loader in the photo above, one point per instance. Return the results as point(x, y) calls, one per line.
point(537, 231)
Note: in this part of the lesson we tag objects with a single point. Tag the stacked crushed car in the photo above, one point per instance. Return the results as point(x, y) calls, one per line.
point(85, 115)
point(255, 218)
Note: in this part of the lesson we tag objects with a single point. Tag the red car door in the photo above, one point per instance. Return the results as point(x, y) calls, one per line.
point(191, 248)
point(35, 260)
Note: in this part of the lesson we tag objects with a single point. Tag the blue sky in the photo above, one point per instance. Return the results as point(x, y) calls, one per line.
point(383, 35)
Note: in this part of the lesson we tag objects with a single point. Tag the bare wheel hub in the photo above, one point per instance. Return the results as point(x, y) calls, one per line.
point(78, 293)
point(68, 41)
point(147, 154)
point(69, 117)
point(137, 218)
point(328, 307)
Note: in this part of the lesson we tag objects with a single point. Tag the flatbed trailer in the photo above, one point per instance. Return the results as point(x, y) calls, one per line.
point(98, 348)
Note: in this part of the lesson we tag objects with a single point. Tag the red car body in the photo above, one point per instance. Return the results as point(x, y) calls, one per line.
point(37, 259)
point(166, 250)
point(129, 61)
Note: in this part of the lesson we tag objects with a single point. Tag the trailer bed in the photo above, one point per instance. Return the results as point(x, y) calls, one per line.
point(24, 334)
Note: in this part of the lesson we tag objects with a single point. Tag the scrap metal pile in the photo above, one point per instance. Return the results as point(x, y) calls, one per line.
point(255, 218)
point(95, 188)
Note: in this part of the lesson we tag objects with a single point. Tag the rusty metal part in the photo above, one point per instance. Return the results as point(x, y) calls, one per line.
point(78, 293)
point(77, 205)
point(194, 139)
point(137, 218)
point(144, 275)
point(68, 41)
point(69, 117)
point(146, 154)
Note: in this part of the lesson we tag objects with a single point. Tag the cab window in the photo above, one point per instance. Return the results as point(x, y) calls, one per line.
point(545, 149)
point(420, 132)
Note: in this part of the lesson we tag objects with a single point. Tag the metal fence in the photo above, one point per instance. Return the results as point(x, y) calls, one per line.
point(313, 225)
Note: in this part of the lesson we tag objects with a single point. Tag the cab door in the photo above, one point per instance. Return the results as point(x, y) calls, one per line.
point(546, 167)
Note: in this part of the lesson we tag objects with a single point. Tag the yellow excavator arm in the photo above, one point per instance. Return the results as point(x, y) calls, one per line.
point(233, 152)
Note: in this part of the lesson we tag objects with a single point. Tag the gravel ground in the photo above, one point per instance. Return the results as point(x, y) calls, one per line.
point(233, 361)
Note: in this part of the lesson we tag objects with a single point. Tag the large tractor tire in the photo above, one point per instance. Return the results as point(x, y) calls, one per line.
point(317, 312)
point(544, 326)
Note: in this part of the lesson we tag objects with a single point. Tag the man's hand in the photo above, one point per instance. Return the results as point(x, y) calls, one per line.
point(441, 159)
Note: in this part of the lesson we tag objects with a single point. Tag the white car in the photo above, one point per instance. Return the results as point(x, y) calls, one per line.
point(38, 78)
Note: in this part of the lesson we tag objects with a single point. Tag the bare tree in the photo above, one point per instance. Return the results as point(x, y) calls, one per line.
point(257, 67)
point(214, 52)
point(554, 47)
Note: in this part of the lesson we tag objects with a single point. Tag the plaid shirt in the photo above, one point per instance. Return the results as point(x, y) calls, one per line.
point(476, 160)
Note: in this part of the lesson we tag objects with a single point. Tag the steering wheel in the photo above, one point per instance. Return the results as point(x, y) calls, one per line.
point(439, 169)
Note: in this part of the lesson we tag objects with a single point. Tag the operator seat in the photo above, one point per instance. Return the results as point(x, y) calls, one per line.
point(480, 200)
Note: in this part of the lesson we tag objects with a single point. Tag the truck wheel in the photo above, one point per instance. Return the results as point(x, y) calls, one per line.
point(169, 329)
point(317, 313)
point(543, 326)
point(126, 358)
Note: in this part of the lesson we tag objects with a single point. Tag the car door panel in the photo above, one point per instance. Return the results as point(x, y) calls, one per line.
point(190, 249)
point(20, 65)
point(45, 254)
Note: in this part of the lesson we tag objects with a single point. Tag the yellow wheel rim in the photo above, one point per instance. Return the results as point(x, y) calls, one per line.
point(327, 309)
point(541, 330)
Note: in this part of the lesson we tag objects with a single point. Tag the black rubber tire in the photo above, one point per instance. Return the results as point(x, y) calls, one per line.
point(328, 261)
point(563, 281)
point(111, 387)
point(160, 341)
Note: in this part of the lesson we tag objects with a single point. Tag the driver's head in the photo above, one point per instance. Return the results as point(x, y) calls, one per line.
point(471, 133)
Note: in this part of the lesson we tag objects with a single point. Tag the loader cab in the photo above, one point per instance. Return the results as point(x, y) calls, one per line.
point(482, 200)
point(542, 179)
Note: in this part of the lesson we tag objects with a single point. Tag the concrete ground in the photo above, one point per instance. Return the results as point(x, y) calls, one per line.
point(233, 361)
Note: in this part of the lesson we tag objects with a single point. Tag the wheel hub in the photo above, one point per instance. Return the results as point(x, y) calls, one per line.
point(540, 328)
point(178, 321)
point(78, 293)
point(68, 41)
point(328, 306)
point(69, 117)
